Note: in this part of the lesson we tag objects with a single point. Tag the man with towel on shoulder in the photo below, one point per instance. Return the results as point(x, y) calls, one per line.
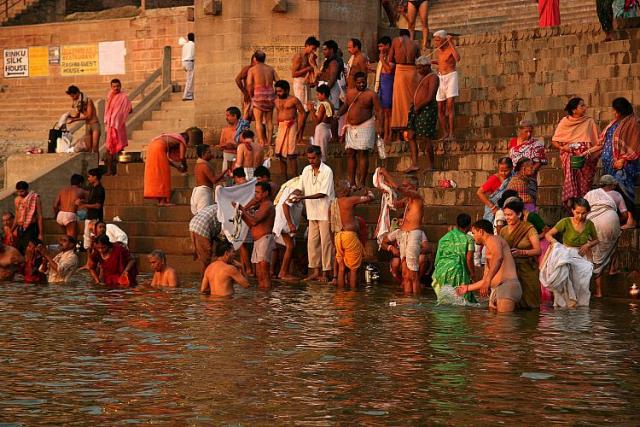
point(260, 80)
point(446, 58)
point(403, 54)
point(362, 108)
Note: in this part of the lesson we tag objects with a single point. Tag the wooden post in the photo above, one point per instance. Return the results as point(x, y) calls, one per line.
point(143, 5)
point(166, 67)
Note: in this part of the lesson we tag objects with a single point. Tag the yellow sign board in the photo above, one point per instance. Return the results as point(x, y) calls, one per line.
point(78, 60)
point(38, 61)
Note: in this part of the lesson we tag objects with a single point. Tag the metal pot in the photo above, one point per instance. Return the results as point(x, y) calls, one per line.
point(129, 157)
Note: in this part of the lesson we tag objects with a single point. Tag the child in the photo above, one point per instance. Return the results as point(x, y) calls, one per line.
point(322, 115)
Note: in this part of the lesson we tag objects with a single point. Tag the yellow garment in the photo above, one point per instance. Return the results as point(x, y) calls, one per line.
point(349, 249)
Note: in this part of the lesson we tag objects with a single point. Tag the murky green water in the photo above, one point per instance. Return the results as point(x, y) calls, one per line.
point(312, 355)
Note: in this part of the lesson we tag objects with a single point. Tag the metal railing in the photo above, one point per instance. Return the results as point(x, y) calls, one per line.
point(7, 6)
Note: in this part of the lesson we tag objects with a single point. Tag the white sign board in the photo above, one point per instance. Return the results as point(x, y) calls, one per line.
point(111, 58)
point(16, 62)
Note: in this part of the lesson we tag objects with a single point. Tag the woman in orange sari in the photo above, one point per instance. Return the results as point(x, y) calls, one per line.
point(577, 135)
point(168, 149)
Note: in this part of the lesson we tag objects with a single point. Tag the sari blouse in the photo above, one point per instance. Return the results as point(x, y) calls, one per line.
point(571, 238)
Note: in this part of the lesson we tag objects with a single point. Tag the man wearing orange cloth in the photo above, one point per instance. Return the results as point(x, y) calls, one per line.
point(403, 53)
point(166, 150)
point(116, 112)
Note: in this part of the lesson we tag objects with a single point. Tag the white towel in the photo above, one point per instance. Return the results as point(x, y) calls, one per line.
point(201, 197)
point(567, 275)
point(233, 227)
point(386, 205)
point(295, 209)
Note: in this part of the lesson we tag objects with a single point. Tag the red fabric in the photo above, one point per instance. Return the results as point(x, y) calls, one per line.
point(549, 11)
point(577, 182)
point(27, 209)
point(115, 119)
point(114, 265)
point(513, 143)
point(492, 185)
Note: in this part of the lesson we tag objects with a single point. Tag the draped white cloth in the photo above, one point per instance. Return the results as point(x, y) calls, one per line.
point(567, 274)
point(386, 205)
point(233, 227)
point(295, 209)
point(604, 216)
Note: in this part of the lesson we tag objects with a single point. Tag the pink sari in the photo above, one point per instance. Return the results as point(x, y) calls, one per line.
point(115, 120)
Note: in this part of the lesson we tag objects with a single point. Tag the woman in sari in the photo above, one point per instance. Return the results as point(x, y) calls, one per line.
point(454, 258)
point(113, 265)
point(491, 191)
point(621, 150)
point(523, 240)
point(168, 149)
point(577, 135)
point(524, 183)
point(565, 269)
point(604, 216)
point(525, 145)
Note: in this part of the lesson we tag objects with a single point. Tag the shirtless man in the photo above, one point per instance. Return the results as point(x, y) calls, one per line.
point(206, 179)
point(403, 52)
point(499, 272)
point(241, 82)
point(66, 204)
point(163, 275)
point(28, 223)
point(10, 262)
point(357, 63)
point(349, 249)
point(410, 235)
point(291, 117)
point(446, 58)
point(230, 136)
point(362, 126)
point(304, 71)
point(262, 174)
point(222, 273)
point(415, 8)
point(259, 215)
point(260, 80)
point(85, 110)
point(250, 154)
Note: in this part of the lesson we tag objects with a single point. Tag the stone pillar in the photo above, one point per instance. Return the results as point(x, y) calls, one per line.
point(225, 43)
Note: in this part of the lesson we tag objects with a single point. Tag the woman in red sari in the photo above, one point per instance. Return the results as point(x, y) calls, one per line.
point(168, 149)
point(577, 135)
point(113, 264)
point(549, 11)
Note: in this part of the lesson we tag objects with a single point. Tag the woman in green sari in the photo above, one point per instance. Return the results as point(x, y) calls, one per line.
point(524, 242)
point(454, 258)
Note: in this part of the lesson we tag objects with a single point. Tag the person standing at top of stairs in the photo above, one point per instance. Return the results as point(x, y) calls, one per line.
point(189, 65)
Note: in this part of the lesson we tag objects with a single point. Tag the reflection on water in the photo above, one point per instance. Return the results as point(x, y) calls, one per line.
point(308, 355)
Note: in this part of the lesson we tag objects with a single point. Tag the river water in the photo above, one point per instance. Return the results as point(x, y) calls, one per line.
point(308, 355)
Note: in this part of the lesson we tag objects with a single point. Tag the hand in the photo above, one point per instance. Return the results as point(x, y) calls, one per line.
point(292, 228)
point(584, 249)
point(395, 251)
point(461, 290)
point(311, 106)
point(618, 164)
point(516, 252)
point(484, 290)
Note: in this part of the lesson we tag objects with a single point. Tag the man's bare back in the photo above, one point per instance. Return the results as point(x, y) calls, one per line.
point(66, 200)
point(426, 91)
point(288, 108)
point(404, 51)
point(261, 75)
point(362, 106)
point(204, 174)
point(219, 278)
point(498, 250)
point(250, 158)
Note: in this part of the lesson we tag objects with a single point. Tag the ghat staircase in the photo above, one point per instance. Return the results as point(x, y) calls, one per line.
point(10, 9)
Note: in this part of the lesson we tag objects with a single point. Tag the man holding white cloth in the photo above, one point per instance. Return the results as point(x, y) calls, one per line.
point(316, 189)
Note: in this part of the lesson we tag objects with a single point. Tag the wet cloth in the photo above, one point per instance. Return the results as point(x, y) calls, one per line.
point(263, 248)
point(549, 11)
point(322, 137)
point(286, 138)
point(448, 86)
point(570, 237)
point(233, 227)
point(65, 218)
point(451, 262)
point(115, 119)
point(605, 218)
point(404, 87)
point(301, 91)
point(113, 266)
point(361, 137)
point(425, 122)
point(387, 202)
point(280, 224)
point(26, 210)
point(263, 98)
point(622, 141)
point(526, 267)
point(67, 262)
point(567, 275)
point(581, 133)
point(509, 289)
point(409, 243)
point(116, 234)
point(157, 173)
point(385, 92)
point(349, 249)
point(201, 196)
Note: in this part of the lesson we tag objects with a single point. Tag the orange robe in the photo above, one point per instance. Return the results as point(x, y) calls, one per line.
point(157, 172)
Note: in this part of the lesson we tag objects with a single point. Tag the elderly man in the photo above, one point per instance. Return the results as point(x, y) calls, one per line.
point(446, 59)
point(362, 108)
point(316, 189)
point(260, 80)
point(60, 268)
point(163, 275)
point(116, 112)
point(358, 62)
point(423, 114)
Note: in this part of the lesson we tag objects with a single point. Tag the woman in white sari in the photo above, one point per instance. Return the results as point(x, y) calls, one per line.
point(605, 217)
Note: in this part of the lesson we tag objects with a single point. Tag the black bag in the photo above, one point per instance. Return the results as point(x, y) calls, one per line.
point(52, 143)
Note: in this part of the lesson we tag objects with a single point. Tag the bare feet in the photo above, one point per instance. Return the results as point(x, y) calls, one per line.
point(312, 277)
point(288, 278)
point(629, 226)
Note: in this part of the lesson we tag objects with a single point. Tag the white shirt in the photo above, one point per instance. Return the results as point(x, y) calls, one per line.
point(619, 201)
point(67, 262)
point(310, 184)
point(116, 234)
point(189, 51)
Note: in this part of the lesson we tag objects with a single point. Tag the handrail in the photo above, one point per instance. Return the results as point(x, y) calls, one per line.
point(6, 6)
